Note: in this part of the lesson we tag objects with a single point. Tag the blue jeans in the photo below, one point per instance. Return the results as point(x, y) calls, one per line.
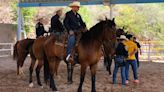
point(116, 67)
point(71, 43)
point(133, 63)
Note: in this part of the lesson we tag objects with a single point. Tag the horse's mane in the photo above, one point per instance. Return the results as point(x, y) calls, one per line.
point(93, 34)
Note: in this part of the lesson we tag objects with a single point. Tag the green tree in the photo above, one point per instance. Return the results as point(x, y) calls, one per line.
point(28, 16)
point(130, 19)
point(86, 16)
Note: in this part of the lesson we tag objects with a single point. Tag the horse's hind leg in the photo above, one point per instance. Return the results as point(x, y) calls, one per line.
point(33, 60)
point(82, 76)
point(93, 74)
point(20, 63)
point(18, 68)
point(39, 66)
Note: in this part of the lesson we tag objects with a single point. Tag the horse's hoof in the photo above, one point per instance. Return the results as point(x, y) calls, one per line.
point(41, 86)
point(31, 85)
point(70, 82)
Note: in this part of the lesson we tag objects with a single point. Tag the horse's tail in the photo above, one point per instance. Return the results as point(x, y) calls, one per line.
point(15, 52)
point(46, 68)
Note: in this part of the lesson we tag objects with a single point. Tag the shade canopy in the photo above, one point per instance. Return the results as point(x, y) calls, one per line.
point(37, 3)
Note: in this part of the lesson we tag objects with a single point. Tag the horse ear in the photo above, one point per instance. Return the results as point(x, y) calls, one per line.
point(123, 27)
point(106, 18)
point(126, 33)
point(113, 20)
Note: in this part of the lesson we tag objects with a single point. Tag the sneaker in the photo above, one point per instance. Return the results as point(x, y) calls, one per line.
point(126, 82)
point(136, 81)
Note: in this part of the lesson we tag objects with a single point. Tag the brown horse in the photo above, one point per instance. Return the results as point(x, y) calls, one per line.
point(89, 48)
point(37, 53)
point(54, 53)
point(90, 41)
point(21, 50)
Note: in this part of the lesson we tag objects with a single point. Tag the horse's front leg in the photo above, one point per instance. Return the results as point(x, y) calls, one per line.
point(31, 71)
point(52, 70)
point(39, 66)
point(82, 76)
point(93, 74)
point(108, 63)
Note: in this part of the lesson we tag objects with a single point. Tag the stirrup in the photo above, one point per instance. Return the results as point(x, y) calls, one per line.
point(68, 56)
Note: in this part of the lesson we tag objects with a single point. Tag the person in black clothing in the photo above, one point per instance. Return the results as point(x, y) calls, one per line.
point(139, 48)
point(56, 25)
point(40, 28)
point(121, 54)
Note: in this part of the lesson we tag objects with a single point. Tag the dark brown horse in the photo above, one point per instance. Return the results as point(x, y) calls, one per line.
point(35, 49)
point(89, 48)
point(21, 50)
point(109, 52)
point(120, 31)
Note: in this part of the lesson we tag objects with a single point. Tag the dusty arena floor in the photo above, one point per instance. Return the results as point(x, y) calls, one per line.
point(151, 76)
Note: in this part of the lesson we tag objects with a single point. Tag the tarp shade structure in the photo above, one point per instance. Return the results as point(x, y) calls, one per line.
point(36, 3)
point(134, 1)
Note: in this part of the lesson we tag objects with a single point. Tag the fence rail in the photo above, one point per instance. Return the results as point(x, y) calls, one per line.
point(152, 50)
point(6, 49)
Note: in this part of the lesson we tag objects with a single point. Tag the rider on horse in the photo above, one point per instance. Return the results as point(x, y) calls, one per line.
point(56, 25)
point(73, 23)
point(40, 28)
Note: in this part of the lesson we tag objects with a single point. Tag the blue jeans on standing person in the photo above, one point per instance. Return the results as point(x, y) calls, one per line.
point(71, 44)
point(116, 67)
point(133, 63)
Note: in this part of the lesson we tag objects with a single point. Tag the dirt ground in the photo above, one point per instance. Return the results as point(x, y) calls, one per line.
point(151, 76)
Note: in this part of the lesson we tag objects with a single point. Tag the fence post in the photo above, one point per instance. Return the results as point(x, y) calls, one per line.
point(12, 48)
point(149, 58)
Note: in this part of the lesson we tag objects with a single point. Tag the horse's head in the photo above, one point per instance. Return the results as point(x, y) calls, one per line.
point(110, 36)
point(120, 31)
point(110, 33)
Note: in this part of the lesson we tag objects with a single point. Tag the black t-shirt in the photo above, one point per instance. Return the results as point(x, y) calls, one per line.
point(138, 44)
point(120, 50)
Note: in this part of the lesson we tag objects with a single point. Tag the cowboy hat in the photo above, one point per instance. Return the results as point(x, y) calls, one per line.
point(75, 3)
point(123, 37)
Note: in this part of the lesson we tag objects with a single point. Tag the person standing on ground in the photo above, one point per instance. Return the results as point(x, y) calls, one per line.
point(120, 59)
point(131, 60)
point(139, 50)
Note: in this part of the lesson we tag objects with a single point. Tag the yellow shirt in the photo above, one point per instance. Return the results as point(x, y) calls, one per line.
point(131, 47)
